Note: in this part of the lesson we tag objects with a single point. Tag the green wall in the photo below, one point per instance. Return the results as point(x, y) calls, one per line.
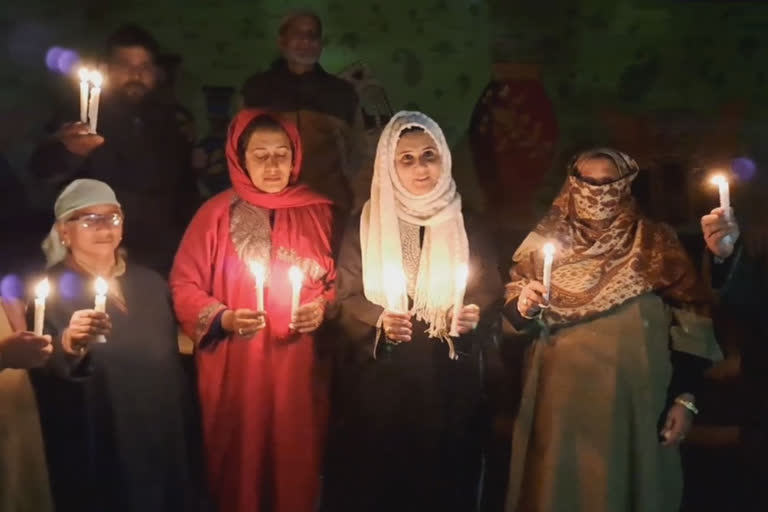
point(632, 57)
point(432, 56)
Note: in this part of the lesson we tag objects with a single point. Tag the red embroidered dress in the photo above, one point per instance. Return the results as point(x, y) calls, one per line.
point(263, 413)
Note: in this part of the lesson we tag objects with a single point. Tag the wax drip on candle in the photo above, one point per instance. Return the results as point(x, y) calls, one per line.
point(549, 256)
point(725, 201)
point(394, 287)
point(42, 290)
point(462, 273)
point(100, 305)
point(93, 104)
point(101, 286)
point(296, 277)
point(84, 74)
point(257, 269)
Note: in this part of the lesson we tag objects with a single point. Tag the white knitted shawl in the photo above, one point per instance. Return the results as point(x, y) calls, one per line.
point(445, 245)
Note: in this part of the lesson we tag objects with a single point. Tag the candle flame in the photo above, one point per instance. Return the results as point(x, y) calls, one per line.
point(257, 269)
point(394, 277)
point(84, 74)
point(549, 249)
point(96, 79)
point(42, 289)
point(462, 273)
point(394, 286)
point(719, 180)
point(295, 275)
point(101, 286)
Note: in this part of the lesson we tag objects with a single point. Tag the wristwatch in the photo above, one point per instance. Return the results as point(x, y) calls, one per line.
point(688, 405)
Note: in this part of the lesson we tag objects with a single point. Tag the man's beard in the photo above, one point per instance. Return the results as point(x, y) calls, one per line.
point(134, 92)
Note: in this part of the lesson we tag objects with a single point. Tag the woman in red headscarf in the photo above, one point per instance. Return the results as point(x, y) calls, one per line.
point(263, 413)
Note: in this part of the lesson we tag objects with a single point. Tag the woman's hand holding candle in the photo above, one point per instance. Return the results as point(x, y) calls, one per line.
point(309, 317)
point(397, 326)
point(468, 319)
point(717, 226)
point(243, 322)
point(84, 326)
point(532, 299)
point(24, 350)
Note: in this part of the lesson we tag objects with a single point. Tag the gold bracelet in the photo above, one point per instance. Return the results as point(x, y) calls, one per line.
point(688, 405)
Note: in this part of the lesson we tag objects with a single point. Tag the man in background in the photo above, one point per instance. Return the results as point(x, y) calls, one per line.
point(139, 149)
point(323, 106)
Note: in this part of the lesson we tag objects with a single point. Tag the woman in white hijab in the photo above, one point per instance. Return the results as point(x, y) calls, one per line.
point(410, 408)
point(115, 407)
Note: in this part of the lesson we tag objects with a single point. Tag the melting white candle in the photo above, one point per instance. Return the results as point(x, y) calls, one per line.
point(725, 201)
point(84, 75)
point(93, 105)
point(41, 293)
point(549, 257)
point(462, 273)
point(394, 288)
point(100, 305)
point(297, 278)
point(257, 269)
point(725, 192)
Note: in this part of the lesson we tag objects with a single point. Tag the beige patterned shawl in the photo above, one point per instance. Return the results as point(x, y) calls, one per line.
point(607, 253)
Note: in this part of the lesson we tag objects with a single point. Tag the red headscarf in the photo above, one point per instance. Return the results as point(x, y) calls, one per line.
point(293, 231)
point(300, 236)
point(291, 196)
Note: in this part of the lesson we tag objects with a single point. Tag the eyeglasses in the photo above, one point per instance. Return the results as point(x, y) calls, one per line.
point(96, 220)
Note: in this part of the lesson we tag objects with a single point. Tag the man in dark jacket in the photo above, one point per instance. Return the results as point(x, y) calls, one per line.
point(139, 150)
point(324, 107)
point(739, 272)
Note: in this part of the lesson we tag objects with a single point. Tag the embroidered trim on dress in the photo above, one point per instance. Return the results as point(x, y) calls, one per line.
point(250, 232)
point(204, 319)
point(308, 266)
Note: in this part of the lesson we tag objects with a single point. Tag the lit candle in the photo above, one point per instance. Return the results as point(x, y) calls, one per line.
point(93, 106)
point(41, 293)
point(725, 193)
point(458, 298)
point(549, 256)
point(84, 74)
point(257, 269)
point(394, 284)
point(725, 201)
point(100, 305)
point(296, 279)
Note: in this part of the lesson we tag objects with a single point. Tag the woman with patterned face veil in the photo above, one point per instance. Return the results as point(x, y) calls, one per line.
point(620, 341)
point(410, 406)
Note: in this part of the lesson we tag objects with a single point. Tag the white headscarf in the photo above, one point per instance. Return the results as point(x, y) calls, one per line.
point(445, 245)
point(77, 195)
